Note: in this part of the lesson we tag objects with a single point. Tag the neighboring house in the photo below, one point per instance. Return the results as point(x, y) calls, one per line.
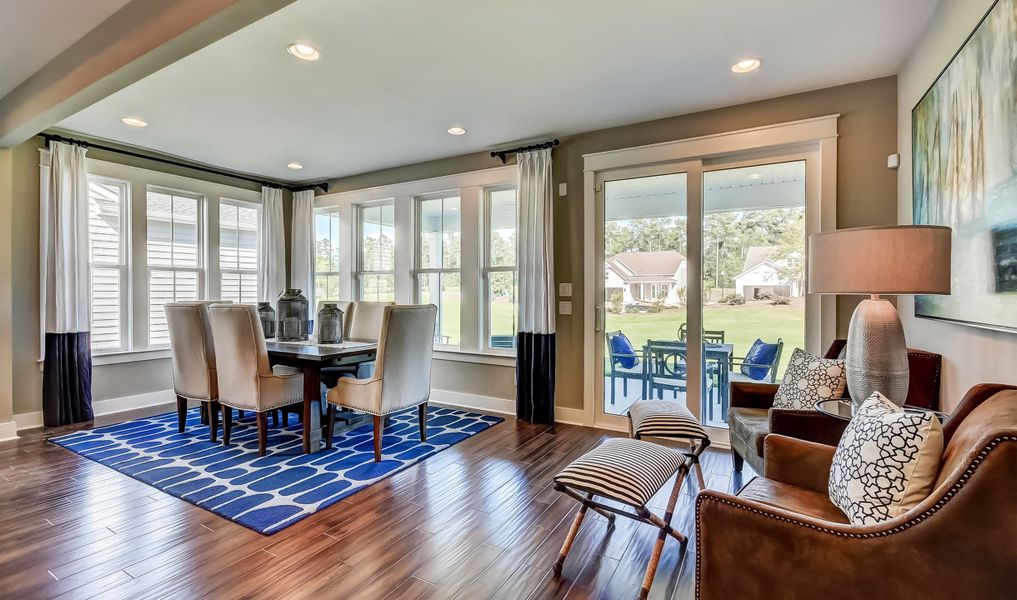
point(762, 273)
point(646, 276)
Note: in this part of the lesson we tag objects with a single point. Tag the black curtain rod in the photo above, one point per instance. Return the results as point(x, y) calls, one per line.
point(502, 154)
point(51, 137)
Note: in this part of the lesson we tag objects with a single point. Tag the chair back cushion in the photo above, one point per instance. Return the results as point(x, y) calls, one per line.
point(808, 380)
point(365, 322)
point(622, 351)
point(192, 350)
point(760, 353)
point(887, 461)
point(241, 355)
point(404, 356)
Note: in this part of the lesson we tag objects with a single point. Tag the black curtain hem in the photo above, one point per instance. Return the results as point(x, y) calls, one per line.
point(67, 379)
point(535, 354)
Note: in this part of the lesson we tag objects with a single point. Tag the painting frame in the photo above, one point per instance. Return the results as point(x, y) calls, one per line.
point(952, 143)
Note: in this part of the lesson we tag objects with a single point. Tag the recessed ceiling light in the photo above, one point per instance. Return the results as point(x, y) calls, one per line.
point(756, 176)
point(303, 52)
point(746, 65)
point(133, 122)
point(457, 131)
point(295, 166)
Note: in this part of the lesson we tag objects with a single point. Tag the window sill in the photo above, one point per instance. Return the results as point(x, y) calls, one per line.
point(465, 356)
point(115, 358)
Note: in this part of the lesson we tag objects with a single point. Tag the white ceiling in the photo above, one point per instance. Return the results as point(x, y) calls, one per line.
point(34, 32)
point(394, 76)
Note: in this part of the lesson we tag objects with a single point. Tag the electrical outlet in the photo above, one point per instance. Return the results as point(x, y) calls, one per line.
point(565, 290)
point(565, 307)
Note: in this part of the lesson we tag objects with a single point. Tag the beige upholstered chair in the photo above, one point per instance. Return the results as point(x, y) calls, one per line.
point(402, 377)
point(365, 323)
point(193, 353)
point(246, 380)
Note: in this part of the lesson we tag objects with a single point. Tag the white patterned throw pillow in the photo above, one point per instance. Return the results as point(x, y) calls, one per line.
point(886, 462)
point(808, 380)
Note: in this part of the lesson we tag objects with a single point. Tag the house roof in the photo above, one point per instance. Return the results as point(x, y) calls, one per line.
point(647, 266)
point(760, 254)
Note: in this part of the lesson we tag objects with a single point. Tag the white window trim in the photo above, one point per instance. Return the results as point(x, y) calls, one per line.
point(471, 188)
point(417, 259)
point(358, 275)
point(487, 269)
point(238, 271)
point(124, 265)
point(139, 180)
point(337, 272)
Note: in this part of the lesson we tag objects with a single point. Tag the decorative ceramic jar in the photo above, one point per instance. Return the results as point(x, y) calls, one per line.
point(329, 323)
point(267, 315)
point(292, 316)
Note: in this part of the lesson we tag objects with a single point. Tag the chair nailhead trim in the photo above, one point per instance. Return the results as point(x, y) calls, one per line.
point(950, 493)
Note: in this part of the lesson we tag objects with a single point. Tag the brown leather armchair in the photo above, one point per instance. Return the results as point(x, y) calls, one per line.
point(750, 418)
point(782, 538)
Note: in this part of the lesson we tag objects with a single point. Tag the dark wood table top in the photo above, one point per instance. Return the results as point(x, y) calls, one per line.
point(323, 353)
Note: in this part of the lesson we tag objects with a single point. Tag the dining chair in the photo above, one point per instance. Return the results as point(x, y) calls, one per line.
point(402, 377)
point(363, 325)
point(193, 356)
point(246, 379)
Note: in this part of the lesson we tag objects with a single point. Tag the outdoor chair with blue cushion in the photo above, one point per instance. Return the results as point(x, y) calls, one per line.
point(760, 363)
point(626, 361)
point(710, 336)
point(666, 369)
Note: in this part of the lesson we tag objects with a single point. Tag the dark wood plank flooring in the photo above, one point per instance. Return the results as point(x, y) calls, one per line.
point(479, 520)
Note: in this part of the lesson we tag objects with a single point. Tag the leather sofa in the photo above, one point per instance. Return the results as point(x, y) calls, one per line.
point(780, 537)
point(750, 417)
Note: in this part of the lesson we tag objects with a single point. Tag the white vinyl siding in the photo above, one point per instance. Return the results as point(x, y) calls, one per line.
point(238, 250)
point(107, 265)
point(174, 255)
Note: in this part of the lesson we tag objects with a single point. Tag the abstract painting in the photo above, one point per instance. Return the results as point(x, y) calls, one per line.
point(964, 144)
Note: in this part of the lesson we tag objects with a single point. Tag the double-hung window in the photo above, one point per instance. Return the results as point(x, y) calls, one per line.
point(238, 250)
point(108, 200)
point(376, 258)
point(327, 272)
point(500, 275)
point(438, 277)
point(175, 261)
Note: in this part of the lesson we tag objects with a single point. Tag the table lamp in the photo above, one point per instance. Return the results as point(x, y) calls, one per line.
point(873, 261)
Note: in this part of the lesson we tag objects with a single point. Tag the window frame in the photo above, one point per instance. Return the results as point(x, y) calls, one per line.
point(123, 266)
point(200, 269)
point(486, 269)
point(360, 272)
point(331, 211)
point(417, 270)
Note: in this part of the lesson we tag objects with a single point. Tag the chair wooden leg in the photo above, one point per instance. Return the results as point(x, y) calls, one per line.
point(204, 412)
point(227, 424)
point(379, 432)
point(738, 460)
point(422, 421)
point(664, 524)
point(286, 418)
point(181, 414)
point(330, 431)
point(699, 475)
point(262, 432)
point(570, 538)
point(275, 418)
point(213, 421)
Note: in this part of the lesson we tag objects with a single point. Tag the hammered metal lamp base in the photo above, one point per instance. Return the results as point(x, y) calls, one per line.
point(877, 355)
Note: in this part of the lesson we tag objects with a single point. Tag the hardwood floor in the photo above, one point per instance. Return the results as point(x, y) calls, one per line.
point(479, 520)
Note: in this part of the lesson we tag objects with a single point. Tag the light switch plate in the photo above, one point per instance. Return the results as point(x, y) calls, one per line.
point(565, 289)
point(565, 307)
point(893, 161)
point(562, 189)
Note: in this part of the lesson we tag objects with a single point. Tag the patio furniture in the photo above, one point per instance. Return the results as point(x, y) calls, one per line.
point(782, 537)
point(402, 377)
point(738, 368)
point(670, 420)
point(619, 370)
point(750, 417)
point(710, 336)
point(629, 472)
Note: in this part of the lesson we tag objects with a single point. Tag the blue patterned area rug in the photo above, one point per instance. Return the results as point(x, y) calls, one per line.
point(269, 493)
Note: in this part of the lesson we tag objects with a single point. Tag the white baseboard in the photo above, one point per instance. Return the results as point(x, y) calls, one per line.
point(570, 416)
point(101, 408)
point(8, 431)
point(501, 406)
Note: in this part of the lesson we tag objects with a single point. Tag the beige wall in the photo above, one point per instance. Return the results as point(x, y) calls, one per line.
point(970, 355)
point(6, 285)
point(866, 189)
point(108, 381)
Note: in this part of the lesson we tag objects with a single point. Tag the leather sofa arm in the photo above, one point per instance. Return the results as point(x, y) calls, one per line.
point(798, 462)
point(752, 395)
point(808, 425)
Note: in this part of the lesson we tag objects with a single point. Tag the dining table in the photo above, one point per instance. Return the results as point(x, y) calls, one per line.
point(310, 357)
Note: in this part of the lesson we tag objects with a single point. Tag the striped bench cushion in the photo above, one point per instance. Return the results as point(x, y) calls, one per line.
point(661, 418)
point(629, 471)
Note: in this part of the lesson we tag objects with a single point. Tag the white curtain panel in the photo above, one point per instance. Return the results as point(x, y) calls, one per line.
point(302, 248)
point(536, 243)
point(63, 242)
point(271, 246)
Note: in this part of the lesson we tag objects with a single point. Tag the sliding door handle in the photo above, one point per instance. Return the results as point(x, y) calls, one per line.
point(596, 319)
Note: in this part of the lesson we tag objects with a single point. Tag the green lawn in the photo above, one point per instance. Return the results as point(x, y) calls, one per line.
point(741, 325)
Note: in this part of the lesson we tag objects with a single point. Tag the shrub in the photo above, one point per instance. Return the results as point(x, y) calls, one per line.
point(765, 296)
point(733, 299)
point(616, 302)
point(781, 300)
